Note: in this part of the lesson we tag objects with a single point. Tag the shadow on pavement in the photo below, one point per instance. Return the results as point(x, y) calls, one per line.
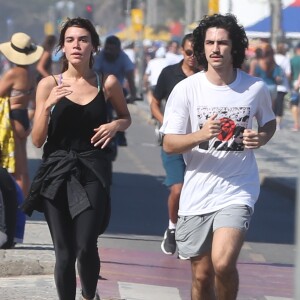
point(284, 185)
point(139, 205)
point(274, 218)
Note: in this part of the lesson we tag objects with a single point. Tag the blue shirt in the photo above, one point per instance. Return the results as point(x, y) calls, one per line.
point(269, 79)
point(120, 67)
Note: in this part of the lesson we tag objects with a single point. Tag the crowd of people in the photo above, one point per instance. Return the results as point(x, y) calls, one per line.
point(281, 72)
point(204, 92)
point(279, 67)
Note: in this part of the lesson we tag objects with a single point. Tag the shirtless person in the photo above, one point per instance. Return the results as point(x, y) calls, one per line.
point(18, 84)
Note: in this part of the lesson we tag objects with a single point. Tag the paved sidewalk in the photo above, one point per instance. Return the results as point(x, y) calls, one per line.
point(130, 272)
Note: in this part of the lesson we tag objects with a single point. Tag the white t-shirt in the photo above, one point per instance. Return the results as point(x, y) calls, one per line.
point(220, 172)
point(131, 54)
point(173, 58)
point(283, 62)
point(154, 68)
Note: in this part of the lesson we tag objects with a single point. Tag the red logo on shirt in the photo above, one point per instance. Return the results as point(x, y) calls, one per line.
point(227, 129)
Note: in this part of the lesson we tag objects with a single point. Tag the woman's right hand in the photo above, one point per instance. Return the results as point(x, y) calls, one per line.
point(57, 93)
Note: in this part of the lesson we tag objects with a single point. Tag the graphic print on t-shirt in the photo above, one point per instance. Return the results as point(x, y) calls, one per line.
point(234, 121)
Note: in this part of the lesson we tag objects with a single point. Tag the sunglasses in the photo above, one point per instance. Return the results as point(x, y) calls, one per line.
point(189, 52)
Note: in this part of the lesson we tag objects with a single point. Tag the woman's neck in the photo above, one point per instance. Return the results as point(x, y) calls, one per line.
point(78, 73)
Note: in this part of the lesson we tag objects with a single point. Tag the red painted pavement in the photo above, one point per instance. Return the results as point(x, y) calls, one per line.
point(154, 268)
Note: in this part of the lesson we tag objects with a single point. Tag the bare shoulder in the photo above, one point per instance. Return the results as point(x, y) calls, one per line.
point(48, 82)
point(109, 81)
point(10, 74)
point(111, 87)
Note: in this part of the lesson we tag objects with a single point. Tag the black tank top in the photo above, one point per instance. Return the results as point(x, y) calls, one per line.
point(72, 125)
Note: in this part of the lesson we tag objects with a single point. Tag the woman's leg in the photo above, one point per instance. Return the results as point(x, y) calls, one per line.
point(21, 127)
point(77, 238)
point(87, 227)
point(295, 115)
point(278, 109)
point(61, 229)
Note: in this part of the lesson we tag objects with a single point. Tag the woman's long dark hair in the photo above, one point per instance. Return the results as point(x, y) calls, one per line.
point(81, 23)
point(236, 34)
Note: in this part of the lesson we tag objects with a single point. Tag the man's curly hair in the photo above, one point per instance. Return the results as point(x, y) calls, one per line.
point(237, 35)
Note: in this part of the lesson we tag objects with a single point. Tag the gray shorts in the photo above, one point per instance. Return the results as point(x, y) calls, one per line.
point(194, 233)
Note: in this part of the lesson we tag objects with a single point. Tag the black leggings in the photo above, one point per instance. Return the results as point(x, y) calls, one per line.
point(9, 194)
point(76, 239)
point(279, 104)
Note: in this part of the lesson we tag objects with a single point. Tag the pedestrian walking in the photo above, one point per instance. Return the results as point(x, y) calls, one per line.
point(295, 84)
point(18, 84)
point(294, 104)
point(209, 118)
point(44, 65)
point(72, 184)
point(113, 60)
point(283, 61)
point(173, 55)
point(268, 70)
point(174, 164)
point(153, 70)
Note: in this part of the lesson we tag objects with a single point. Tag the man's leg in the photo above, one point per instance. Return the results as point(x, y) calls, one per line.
point(202, 278)
point(227, 243)
point(174, 166)
point(168, 245)
point(173, 201)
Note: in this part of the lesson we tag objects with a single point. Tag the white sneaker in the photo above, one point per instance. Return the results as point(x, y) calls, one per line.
point(3, 238)
point(183, 257)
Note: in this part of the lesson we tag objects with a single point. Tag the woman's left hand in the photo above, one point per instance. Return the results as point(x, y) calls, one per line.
point(103, 135)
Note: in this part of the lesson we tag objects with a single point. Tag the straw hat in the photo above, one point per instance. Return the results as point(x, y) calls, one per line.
point(21, 50)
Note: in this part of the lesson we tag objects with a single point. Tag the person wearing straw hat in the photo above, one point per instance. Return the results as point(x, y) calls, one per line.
point(18, 85)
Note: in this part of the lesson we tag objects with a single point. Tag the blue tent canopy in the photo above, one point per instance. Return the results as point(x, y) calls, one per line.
point(290, 23)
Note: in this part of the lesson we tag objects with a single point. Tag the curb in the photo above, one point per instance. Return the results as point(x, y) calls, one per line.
point(15, 262)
